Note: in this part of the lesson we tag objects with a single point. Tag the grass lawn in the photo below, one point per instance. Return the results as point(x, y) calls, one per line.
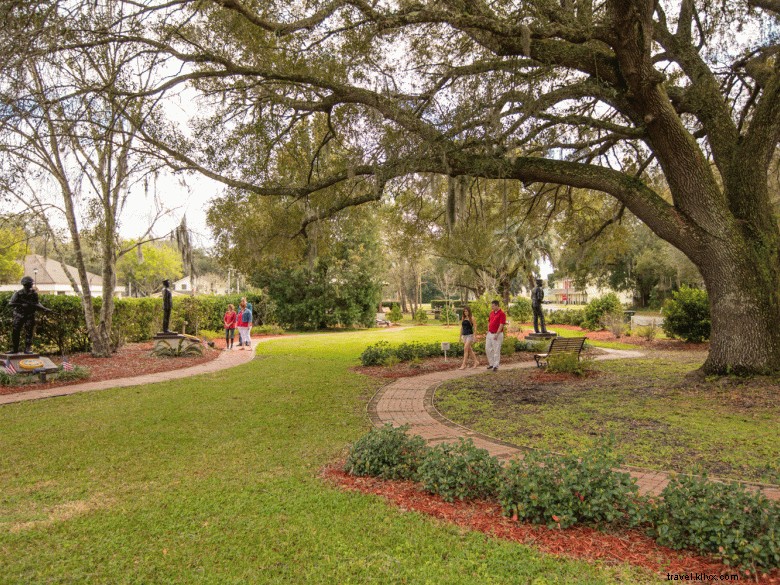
point(214, 480)
point(659, 417)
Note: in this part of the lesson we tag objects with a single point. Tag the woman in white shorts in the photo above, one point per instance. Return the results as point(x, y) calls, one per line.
point(468, 328)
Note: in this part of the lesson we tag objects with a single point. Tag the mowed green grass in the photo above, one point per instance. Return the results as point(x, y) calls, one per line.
point(214, 480)
point(660, 416)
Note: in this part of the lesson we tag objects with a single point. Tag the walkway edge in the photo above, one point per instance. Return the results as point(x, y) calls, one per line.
point(410, 401)
point(223, 361)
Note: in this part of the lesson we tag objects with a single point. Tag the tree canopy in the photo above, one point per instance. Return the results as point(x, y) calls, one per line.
point(556, 94)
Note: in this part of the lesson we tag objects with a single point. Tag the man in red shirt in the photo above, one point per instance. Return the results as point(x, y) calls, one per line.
point(495, 336)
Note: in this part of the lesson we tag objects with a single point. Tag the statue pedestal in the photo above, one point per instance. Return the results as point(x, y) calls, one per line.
point(30, 363)
point(176, 345)
point(541, 336)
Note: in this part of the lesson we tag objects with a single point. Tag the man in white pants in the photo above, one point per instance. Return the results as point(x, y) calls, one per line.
point(495, 336)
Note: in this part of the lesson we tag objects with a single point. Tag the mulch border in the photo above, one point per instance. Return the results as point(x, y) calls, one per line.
point(629, 546)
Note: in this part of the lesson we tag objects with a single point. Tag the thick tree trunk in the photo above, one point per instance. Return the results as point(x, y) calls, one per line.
point(745, 311)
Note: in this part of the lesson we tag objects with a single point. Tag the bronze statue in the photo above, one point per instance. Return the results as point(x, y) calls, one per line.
point(167, 306)
point(25, 304)
point(536, 304)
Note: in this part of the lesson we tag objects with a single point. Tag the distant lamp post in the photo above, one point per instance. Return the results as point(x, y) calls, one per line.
point(35, 276)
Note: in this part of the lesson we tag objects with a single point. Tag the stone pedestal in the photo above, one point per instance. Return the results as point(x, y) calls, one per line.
point(30, 363)
point(176, 345)
point(541, 336)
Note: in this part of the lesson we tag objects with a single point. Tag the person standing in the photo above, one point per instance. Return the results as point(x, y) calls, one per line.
point(242, 324)
point(495, 335)
point(250, 322)
point(467, 330)
point(248, 319)
point(229, 320)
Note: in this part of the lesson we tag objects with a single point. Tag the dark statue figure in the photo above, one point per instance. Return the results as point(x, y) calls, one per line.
point(25, 304)
point(167, 306)
point(536, 304)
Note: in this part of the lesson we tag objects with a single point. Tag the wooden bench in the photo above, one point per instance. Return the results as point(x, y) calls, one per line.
point(561, 345)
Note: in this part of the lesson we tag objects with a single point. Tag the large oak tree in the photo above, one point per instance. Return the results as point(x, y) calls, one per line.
point(578, 93)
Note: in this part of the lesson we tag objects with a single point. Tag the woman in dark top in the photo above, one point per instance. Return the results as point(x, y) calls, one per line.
point(468, 328)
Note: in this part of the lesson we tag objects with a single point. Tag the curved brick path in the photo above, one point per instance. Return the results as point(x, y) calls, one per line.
point(409, 401)
point(226, 359)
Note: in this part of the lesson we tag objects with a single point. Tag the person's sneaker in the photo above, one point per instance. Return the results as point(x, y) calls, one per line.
point(495, 368)
point(490, 367)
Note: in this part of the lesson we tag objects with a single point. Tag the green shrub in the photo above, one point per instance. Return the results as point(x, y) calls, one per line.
point(269, 329)
point(726, 520)
point(448, 314)
point(647, 332)
point(563, 490)
point(375, 354)
point(211, 335)
point(481, 308)
point(568, 363)
point(459, 470)
point(520, 311)
point(522, 345)
point(381, 351)
point(395, 315)
point(598, 308)
point(420, 316)
point(77, 373)
point(388, 453)
point(565, 317)
point(615, 323)
point(687, 315)
point(508, 345)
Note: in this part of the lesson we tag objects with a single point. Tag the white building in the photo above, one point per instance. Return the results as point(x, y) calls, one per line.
point(203, 284)
point(568, 294)
point(51, 279)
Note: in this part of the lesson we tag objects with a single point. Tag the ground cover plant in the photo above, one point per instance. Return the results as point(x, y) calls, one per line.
point(737, 526)
point(663, 416)
point(214, 480)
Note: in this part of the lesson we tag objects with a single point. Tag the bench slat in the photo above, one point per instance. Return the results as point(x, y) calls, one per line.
point(561, 345)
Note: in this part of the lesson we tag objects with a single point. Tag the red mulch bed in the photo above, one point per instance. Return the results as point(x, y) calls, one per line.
point(629, 546)
point(659, 344)
point(132, 359)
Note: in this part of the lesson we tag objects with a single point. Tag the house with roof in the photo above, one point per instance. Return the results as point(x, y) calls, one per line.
point(50, 278)
point(203, 284)
point(566, 293)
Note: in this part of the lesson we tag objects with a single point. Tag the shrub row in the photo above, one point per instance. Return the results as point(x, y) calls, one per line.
point(728, 521)
point(382, 353)
point(565, 317)
point(64, 330)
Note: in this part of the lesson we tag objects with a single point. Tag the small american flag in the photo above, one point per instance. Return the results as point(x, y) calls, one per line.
point(66, 365)
point(8, 367)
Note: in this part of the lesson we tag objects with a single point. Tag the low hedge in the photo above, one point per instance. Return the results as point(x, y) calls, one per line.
point(459, 470)
point(388, 453)
point(739, 526)
point(382, 352)
point(64, 330)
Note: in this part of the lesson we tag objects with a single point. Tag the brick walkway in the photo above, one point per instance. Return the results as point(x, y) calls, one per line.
point(226, 359)
point(409, 401)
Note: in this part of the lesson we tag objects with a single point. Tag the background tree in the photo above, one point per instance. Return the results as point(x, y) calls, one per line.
point(151, 263)
point(580, 94)
point(12, 249)
point(68, 135)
